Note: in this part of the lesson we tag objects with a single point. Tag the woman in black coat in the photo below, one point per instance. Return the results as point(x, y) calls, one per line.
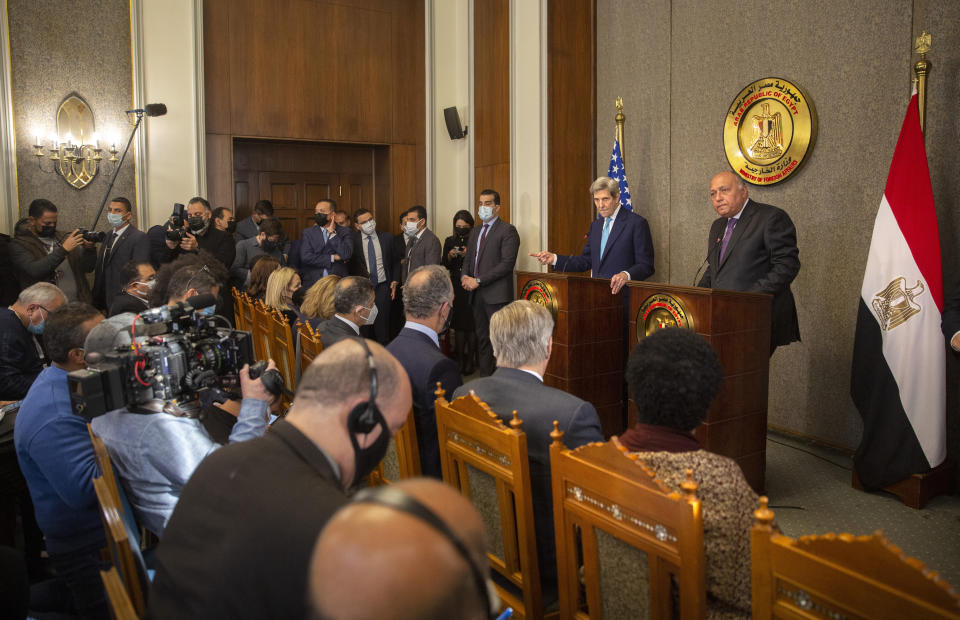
point(465, 336)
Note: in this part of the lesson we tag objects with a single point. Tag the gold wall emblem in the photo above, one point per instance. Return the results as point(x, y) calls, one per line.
point(769, 131)
point(540, 292)
point(659, 311)
point(895, 304)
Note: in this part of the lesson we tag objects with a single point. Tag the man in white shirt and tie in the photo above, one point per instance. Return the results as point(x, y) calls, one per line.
point(123, 244)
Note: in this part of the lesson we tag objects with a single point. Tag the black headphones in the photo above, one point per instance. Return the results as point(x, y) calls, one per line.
point(363, 418)
point(392, 497)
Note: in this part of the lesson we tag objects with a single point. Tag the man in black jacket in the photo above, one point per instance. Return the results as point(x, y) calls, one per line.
point(20, 326)
point(218, 242)
point(123, 244)
point(139, 279)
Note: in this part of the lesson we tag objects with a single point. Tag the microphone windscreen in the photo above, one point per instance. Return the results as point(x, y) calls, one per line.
point(202, 301)
point(155, 109)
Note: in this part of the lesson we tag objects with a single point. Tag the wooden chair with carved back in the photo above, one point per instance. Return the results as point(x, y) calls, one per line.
point(238, 314)
point(486, 460)
point(124, 552)
point(310, 345)
point(261, 329)
point(402, 459)
point(841, 576)
point(283, 348)
point(121, 607)
point(633, 537)
point(245, 315)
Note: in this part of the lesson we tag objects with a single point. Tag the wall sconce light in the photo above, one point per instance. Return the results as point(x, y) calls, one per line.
point(77, 159)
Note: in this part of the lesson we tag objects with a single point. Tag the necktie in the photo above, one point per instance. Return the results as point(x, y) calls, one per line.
point(326, 238)
point(605, 235)
point(372, 260)
point(731, 224)
point(109, 247)
point(483, 237)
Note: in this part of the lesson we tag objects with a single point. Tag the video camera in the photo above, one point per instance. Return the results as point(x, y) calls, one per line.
point(176, 355)
point(175, 232)
point(96, 236)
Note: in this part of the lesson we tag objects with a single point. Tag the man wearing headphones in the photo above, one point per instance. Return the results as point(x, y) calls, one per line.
point(418, 522)
point(239, 542)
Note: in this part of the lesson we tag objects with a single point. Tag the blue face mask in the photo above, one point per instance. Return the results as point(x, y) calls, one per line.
point(208, 311)
point(115, 219)
point(486, 213)
point(38, 328)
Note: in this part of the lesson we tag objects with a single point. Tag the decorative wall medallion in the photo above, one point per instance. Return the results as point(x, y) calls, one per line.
point(540, 292)
point(769, 131)
point(659, 311)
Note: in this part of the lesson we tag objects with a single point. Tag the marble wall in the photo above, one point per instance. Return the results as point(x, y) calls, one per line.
point(678, 65)
point(56, 49)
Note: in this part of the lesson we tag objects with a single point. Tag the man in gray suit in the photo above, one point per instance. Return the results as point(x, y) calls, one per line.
point(488, 271)
point(422, 246)
point(353, 301)
point(521, 333)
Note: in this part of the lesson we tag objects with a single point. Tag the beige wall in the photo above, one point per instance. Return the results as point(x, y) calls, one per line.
point(678, 65)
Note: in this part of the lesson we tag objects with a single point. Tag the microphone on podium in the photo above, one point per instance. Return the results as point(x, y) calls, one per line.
point(709, 252)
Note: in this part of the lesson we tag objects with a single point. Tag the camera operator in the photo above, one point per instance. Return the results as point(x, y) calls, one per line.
point(156, 453)
point(41, 253)
point(170, 240)
point(210, 238)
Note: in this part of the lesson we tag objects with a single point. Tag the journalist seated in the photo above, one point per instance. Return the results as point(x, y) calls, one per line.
point(155, 452)
point(673, 375)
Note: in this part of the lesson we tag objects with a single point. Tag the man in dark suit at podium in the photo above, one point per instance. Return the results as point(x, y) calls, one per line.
point(123, 244)
point(488, 271)
point(753, 247)
point(618, 244)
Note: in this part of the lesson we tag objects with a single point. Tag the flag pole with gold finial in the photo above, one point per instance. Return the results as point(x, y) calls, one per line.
point(620, 118)
point(921, 68)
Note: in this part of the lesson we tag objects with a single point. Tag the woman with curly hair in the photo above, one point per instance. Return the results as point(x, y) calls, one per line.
point(260, 272)
point(673, 376)
point(317, 305)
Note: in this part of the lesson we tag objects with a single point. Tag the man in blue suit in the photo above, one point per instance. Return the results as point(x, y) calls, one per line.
point(427, 302)
point(618, 244)
point(325, 248)
point(374, 258)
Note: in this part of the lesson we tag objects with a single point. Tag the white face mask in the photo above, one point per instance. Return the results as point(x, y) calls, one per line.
point(411, 228)
point(368, 227)
point(115, 219)
point(486, 213)
point(372, 316)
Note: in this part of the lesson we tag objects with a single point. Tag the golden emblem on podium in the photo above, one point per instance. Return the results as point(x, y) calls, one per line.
point(660, 311)
point(769, 131)
point(540, 292)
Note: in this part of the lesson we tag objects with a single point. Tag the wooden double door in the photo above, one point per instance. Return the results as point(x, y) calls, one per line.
point(294, 177)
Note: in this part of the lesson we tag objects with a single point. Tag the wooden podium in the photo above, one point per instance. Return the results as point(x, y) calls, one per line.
point(589, 354)
point(588, 348)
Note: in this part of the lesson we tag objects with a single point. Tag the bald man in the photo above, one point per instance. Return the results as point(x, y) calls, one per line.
point(238, 543)
point(753, 247)
point(444, 583)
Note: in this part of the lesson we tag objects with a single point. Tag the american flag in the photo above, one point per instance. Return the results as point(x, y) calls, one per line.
point(618, 173)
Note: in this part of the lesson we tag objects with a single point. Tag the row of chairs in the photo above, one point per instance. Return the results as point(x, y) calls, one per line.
point(616, 524)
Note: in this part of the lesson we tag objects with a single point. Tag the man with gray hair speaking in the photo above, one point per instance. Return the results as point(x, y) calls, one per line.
point(522, 338)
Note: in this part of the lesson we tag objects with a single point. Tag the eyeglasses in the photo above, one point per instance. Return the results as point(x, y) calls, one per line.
point(199, 271)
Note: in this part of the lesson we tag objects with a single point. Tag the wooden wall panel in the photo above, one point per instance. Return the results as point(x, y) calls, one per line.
point(403, 187)
point(491, 119)
point(571, 121)
point(410, 75)
point(219, 157)
point(216, 66)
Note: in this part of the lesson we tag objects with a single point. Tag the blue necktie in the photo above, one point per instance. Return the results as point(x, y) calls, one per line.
point(372, 260)
point(605, 235)
point(326, 238)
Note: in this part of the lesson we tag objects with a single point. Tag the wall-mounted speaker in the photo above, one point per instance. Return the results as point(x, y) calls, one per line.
point(454, 128)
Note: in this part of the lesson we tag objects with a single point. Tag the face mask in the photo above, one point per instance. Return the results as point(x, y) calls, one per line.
point(411, 228)
point(322, 219)
point(446, 323)
point(369, 227)
point(196, 223)
point(208, 311)
point(231, 227)
point(485, 213)
point(462, 231)
point(268, 246)
point(365, 460)
point(38, 328)
point(372, 316)
point(115, 219)
point(48, 231)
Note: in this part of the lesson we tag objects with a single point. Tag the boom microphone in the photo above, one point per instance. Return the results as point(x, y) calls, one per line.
point(151, 109)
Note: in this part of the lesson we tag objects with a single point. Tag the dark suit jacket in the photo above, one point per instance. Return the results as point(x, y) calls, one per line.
point(233, 532)
point(951, 314)
point(333, 330)
point(538, 405)
point(497, 261)
point(629, 248)
point(425, 365)
point(125, 302)
point(358, 262)
point(426, 251)
point(315, 255)
point(246, 228)
point(132, 245)
point(761, 257)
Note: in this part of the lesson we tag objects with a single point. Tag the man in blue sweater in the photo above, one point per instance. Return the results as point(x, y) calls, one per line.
point(58, 463)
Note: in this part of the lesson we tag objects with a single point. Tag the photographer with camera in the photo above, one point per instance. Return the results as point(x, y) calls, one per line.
point(156, 453)
point(171, 239)
point(41, 253)
point(210, 238)
point(123, 244)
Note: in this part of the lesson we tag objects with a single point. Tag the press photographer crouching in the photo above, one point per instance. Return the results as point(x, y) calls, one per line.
point(146, 395)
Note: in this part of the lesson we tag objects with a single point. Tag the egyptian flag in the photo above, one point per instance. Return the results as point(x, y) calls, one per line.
point(898, 380)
